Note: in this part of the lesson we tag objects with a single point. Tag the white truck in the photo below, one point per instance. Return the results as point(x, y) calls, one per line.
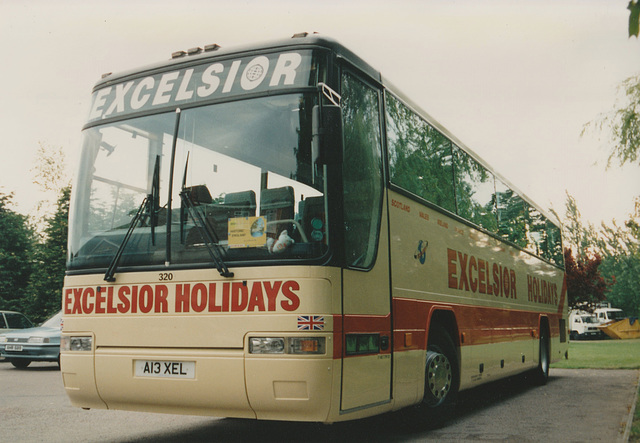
point(583, 325)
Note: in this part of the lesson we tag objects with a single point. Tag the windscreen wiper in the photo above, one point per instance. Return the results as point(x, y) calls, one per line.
point(207, 234)
point(149, 207)
point(142, 211)
point(155, 200)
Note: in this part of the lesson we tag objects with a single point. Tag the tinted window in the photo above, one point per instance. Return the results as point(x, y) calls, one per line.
point(420, 157)
point(553, 246)
point(475, 191)
point(511, 215)
point(536, 230)
point(425, 163)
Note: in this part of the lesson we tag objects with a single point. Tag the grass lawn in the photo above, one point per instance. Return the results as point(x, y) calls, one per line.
point(602, 354)
point(606, 354)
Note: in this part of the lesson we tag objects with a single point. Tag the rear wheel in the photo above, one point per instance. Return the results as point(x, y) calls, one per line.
point(19, 363)
point(541, 374)
point(441, 373)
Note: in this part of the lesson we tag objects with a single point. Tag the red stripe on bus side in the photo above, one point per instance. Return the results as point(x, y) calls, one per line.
point(476, 325)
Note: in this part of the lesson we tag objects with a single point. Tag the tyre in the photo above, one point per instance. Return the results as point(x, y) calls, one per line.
point(541, 373)
point(20, 363)
point(441, 374)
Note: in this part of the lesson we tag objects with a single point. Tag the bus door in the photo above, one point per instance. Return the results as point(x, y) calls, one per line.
point(366, 297)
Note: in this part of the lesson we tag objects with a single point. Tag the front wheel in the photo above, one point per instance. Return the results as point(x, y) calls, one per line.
point(441, 373)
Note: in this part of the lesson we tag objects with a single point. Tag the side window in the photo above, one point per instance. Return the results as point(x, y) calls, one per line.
point(553, 245)
point(18, 321)
point(420, 157)
point(536, 230)
point(475, 191)
point(3, 325)
point(511, 215)
point(362, 171)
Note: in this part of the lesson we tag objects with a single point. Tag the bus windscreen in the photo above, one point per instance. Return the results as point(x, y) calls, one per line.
point(242, 178)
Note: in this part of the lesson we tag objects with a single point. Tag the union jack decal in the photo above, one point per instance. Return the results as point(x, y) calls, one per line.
point(310, 323)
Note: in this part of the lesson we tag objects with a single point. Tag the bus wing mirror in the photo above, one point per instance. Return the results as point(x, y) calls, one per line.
point(327, 134)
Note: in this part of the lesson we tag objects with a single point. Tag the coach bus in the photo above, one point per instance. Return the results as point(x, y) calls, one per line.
point(276, 232)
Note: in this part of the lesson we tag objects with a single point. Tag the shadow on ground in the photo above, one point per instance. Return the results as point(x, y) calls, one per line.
point(407, 424)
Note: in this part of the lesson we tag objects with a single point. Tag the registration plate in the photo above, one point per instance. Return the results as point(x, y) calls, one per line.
point(13, 347)
point(165, 368)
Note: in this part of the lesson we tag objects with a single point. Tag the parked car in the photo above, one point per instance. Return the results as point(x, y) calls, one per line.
point(10, 320)
point(21, 347)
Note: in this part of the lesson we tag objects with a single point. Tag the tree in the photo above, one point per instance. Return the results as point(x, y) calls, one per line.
point(47, 277)
point(634, 17)
point(611, 253)
point(620, 248)
point(577, 236)
point(50, 174)
point(585, 285)
point(16, 243)
point(623, 124)
point(624, 120)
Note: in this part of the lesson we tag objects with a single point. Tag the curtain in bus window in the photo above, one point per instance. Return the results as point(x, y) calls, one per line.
point(475, 191)
point(362, 171)
point(420, 157)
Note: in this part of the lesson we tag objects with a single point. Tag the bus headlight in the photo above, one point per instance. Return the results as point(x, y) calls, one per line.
point(266, 345)
point(289, 345)
point(73, 343)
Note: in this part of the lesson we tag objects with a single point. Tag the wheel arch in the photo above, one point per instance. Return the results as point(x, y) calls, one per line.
point(445, 319)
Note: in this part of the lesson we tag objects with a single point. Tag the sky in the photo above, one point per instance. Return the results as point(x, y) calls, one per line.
point(516, 80)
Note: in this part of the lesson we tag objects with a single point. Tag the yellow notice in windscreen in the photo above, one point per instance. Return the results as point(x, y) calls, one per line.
point(247, 232)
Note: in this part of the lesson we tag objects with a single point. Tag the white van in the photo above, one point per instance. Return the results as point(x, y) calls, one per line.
point(609, 315)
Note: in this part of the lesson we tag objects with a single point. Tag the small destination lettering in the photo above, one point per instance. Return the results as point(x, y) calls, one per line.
point(402, 206)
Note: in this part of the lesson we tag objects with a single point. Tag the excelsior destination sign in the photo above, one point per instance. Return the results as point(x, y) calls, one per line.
point(202, 82)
